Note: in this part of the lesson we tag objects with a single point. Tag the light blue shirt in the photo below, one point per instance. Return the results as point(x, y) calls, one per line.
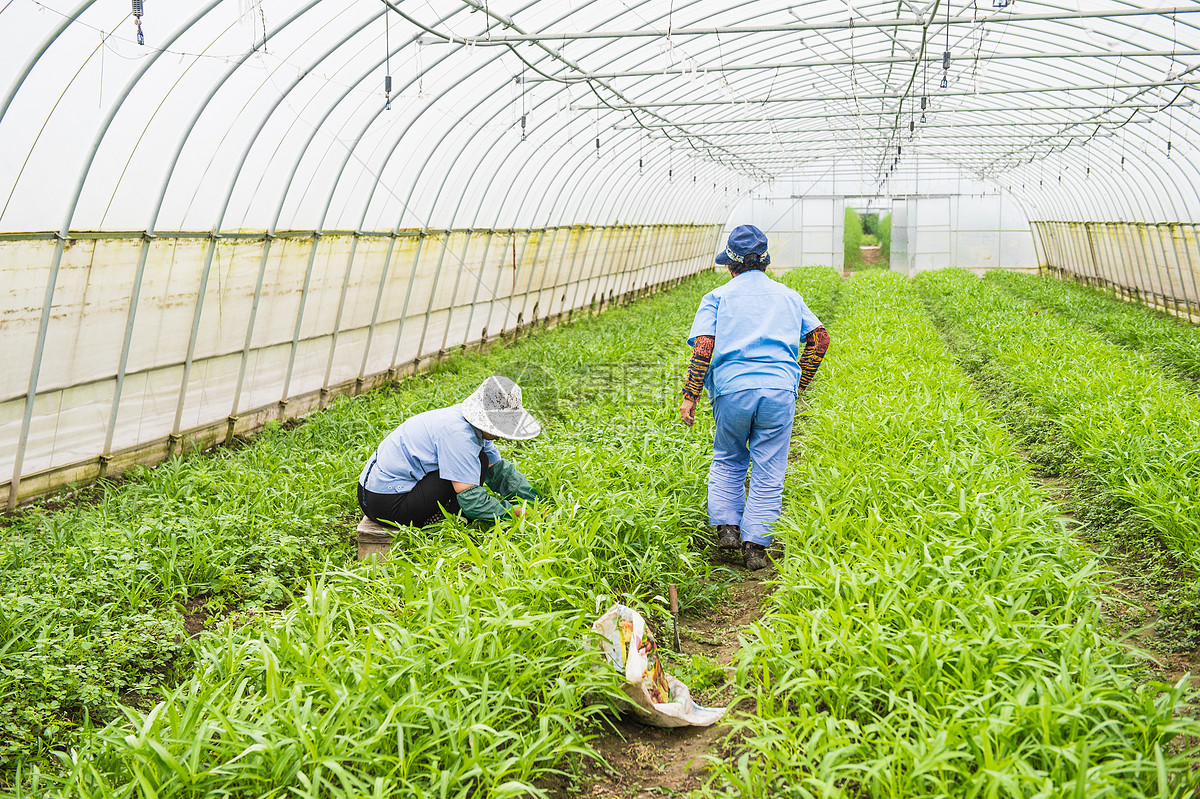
point(758, 324)
point(440, 439)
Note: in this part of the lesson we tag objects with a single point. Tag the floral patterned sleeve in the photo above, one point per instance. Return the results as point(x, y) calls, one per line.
point(702, 352)
point(815, 345)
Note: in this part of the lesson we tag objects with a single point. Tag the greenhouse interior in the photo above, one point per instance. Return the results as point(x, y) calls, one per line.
point(498, 398)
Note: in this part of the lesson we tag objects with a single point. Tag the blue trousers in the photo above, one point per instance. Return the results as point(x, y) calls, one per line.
point(753, 426)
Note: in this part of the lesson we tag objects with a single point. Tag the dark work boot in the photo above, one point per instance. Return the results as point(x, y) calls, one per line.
point(729, 536)
point(754, 556)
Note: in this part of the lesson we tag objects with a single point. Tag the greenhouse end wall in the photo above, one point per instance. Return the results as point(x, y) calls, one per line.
point(1158, 264)
point(150, 345)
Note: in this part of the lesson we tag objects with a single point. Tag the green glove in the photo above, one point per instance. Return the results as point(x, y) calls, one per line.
point(476, 503)
point(505, 480)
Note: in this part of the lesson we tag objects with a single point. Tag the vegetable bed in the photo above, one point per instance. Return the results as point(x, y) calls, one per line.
point(935, 632)
point(1134, 428)
point(1171, 341)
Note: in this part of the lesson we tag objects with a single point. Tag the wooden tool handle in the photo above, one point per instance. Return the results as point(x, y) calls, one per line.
point(674, 599)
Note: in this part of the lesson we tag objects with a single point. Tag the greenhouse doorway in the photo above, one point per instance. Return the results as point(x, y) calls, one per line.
point(866, 234)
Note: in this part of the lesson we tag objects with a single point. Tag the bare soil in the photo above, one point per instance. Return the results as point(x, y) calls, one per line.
point(642, 761)
point(871, 255)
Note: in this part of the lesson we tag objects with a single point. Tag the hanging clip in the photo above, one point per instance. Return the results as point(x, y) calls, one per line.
point(387, 92)
point(137, 19)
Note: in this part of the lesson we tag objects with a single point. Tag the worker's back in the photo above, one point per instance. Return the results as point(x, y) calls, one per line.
point(758, 325)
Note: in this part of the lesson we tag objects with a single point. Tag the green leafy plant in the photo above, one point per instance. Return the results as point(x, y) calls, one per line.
point(1132, 428)
point(1172, 342)
point(935, 632)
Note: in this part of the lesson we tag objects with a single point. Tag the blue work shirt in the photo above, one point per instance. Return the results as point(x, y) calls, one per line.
point(440, 439)
point(758, 324)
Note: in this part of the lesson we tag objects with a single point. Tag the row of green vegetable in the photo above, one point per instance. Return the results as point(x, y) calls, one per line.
point(935, 632)
point(458, 667)
point(1171, 341)
point(1131, 428)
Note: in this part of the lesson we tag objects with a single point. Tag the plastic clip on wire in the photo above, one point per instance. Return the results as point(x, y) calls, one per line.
point(137, 19)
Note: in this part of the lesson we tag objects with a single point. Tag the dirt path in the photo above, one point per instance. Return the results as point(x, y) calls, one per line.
point(871, 254)
point(651, 762)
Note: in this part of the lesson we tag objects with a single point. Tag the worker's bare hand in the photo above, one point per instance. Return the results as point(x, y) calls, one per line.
point(687, 412)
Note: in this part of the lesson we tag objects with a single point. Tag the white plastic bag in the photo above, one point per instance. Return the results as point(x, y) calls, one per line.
point(659, 699)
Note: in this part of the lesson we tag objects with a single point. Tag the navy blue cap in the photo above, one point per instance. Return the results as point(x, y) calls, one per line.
point(744, 240)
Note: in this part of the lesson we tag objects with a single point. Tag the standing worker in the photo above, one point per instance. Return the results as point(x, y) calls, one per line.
point(745, 343)
point(443, 459)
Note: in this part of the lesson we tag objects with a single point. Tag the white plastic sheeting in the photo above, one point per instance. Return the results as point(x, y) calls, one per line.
point(940, 217)
point(1158, 264)
point(205, 357)
point(802, 230)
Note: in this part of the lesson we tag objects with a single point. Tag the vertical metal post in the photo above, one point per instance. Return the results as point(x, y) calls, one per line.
point(629, 277)
point(1160, 269)
point(462, 267)
point(1138, 249)
point(1087, 271)
point(1194, 299)
point(1111, 264)
point(671, 253)
point(237, 392)
point(665, 254)
point(1155, 278)
point(604, 277)
point(412, 279)
point(1112, 232)
point(509, 239)
point(287, 377)
point(513, 297)
point(337, 321)
point(558, 299)
point(581, 282)
point(39, 349)
point(387, 263)
point(1170, 226)
point(433, 294)
point(126, 343)
point(532, 270)
point(195, 333)
point(1038, 251)
point(487, 248)
point(1091, 253)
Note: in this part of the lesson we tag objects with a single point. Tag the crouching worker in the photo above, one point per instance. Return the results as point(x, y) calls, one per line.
point(444, 458)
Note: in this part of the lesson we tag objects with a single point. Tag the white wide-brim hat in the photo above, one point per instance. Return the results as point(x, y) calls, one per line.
point(495, 407)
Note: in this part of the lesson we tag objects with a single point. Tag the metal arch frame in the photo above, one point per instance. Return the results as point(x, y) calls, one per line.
point(61, 237)
point(332, 106)
point(475, 5)
point(1173, 198)
point(918, 21)
point(483, 195)
point(454, 215)
point(685, 122)
point(405, 208)
point(150, 233)
point(367, 205)
point(301, 154)
point(251, 142)
point(1116, 14)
